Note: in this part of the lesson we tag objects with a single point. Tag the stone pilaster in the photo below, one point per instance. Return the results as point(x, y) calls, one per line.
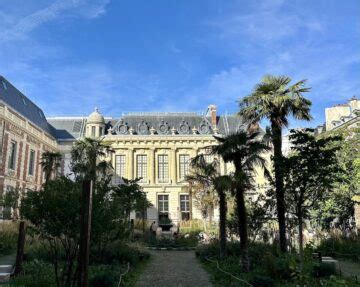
point(173, 165)
point(130, 158)
point(151, 168)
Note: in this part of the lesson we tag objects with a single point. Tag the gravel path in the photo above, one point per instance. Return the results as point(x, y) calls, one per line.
point(173, 269)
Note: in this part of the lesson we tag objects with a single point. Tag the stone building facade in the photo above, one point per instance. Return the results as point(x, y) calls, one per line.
point(24, 136)
point(157, 147)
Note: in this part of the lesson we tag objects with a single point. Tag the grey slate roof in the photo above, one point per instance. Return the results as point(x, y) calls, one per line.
point(23, 105)
point(72, 128)
point(67, 128)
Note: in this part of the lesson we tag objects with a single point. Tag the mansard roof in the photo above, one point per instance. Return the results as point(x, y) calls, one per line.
point(21, 104)
point(68, 128)
point(178, 123)
point(72, 128)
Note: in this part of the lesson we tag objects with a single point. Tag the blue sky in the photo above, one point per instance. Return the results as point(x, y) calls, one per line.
point(69, 56)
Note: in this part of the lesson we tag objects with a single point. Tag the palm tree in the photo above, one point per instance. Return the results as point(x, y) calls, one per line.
point(50, 162)
point(275, 100)
point(207, 176)
point(85, 159)
point(245, 151)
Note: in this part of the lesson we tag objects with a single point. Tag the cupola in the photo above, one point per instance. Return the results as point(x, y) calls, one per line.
point(95, 124)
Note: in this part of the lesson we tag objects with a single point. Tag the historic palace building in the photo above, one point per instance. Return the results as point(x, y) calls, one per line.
point(154, 146)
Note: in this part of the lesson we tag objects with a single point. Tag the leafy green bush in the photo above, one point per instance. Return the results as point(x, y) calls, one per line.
point(323, 269)
point(102, 280)
point(36, 273)
point(341, 247)
point(182, 240)
point(8, 237)
point(118, 252)
point(262, 281)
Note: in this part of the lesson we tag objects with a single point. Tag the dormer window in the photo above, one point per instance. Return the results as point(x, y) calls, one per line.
point(41, 114)
point(4, 85)
point(24, 101)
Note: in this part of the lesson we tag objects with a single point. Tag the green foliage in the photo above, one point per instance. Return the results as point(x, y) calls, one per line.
point(340, 205)
point(36, 273)
point(131, 197)
point(262, 281)
point(8, 237)
point(341, 247)
point(50, 163)
point(102, 280)
point(322, 269)
point(182, 240)
point(269, 267)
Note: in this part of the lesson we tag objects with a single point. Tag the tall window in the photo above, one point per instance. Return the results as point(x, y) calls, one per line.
point(92, 131)
point(100, 131)
point(163, 206)
point(163, 168)
point(31, 162)
point(12, 155)
point(184, 160)
point(120, 165)
point(141, 170)
point(185, 206)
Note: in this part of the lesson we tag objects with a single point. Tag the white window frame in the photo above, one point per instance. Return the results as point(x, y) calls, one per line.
point(161, 203)
point(120, 165)
point(184, 166)
point(141, 167)
point(163, 168)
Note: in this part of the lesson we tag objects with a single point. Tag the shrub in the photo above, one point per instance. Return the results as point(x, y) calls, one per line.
point(323, 269)
point(36, 273)
point(102, 280)
point(8, 237)
point(262, 281)
point(119, 252)
point(339, 246)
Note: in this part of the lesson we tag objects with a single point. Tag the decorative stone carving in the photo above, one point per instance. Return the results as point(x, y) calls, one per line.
point(143, 128)
point(110, 131)
point(194, 131)
point(204, 127)
point(152, 131)
point(173, 131)
point(184, 128)
point(122, 128)
point(131, 131)
point(163, 128)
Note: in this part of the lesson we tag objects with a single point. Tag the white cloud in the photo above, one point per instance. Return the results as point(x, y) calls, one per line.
point(15, 30)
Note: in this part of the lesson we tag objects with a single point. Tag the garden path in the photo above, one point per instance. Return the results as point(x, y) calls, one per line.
point(173, 269)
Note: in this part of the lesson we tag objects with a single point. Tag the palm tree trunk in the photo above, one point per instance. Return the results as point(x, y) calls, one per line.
point(222, 225)
point(301, 238)
point(279, 183)
point(242, 225)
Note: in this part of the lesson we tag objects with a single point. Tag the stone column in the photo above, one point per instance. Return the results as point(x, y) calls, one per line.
point(130, 171)
point(172, 165)
point(151, 169)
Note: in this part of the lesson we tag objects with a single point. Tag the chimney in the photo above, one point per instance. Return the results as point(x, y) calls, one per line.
point(212, 112)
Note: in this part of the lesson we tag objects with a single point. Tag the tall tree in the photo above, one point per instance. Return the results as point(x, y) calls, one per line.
point(50, 162)
point(245, 151)
point(312, 171)
point(207, 175)
point(276, 100)
point(88, 166)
